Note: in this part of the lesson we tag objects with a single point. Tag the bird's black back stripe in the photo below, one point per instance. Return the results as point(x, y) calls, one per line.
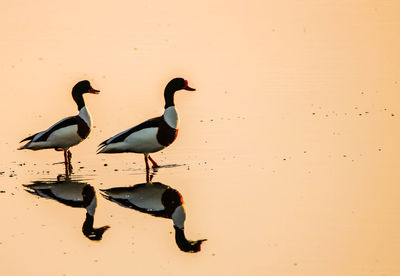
point(155, 122)
point(64, 123)
point(67, 202)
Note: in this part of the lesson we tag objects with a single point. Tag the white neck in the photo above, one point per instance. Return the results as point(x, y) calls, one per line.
point(179, 216)
point(85, 115)
point(91, 208)
point(171, 117)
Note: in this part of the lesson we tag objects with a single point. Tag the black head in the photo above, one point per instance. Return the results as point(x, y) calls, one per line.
point(194, 246)
point(186, 245)
point(96, 234)
point(83, 87)
point(178, 84)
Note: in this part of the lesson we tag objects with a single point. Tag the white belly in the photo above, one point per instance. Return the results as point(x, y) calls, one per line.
point(148, 197)
point(65, 137)
point(142, 141)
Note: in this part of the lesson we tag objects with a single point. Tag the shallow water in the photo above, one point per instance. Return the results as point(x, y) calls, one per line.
point(286, 157)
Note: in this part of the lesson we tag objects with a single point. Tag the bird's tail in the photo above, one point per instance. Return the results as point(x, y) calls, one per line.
point(101, 146)
point(30, 138)
point(101, 149)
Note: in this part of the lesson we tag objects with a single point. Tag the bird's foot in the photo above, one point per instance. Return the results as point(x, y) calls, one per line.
point(155, 165)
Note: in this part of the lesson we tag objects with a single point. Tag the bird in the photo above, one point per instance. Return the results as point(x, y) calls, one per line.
point(159, 200)
point(74, 194)
point(67, 132)
point(152, 135)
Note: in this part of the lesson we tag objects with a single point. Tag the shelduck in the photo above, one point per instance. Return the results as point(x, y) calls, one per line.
point(67, 132)
point(74, 194)
point(152, 135)
point(158, 200)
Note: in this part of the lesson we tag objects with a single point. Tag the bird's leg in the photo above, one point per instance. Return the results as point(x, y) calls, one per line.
point(69, 154)
point(67, 172)
point(149, 177)
point(155, 165)
point(147, 163)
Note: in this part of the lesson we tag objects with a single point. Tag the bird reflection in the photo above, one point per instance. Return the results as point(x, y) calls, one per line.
point(71, 193)
point(159, 200)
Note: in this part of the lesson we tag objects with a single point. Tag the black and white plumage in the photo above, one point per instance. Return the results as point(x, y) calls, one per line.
point(69, 131)
point(158, 200)
point(74, 194)
point(152, 135)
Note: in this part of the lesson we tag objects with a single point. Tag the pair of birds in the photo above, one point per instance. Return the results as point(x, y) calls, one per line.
point(153, 198)
point(148, 137)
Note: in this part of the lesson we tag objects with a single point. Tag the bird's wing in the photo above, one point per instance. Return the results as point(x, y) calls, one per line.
point(120, 137)
point(43, 135)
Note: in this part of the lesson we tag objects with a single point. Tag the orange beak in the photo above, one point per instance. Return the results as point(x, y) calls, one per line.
point(94, 91)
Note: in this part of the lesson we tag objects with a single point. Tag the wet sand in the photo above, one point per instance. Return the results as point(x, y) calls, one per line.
point(286, 155)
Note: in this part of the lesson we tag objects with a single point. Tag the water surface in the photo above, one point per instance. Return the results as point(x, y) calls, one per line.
point(286, 156)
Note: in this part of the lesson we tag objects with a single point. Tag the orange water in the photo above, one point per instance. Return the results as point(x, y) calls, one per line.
point(287, 150)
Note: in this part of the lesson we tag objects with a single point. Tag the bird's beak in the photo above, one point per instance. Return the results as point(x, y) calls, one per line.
point(189, 88)
point(94, 91)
